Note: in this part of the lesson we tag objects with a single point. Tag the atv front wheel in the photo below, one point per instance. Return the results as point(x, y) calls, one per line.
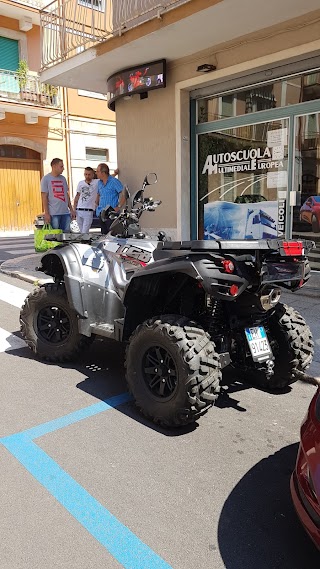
point(50, 326)
point(173, 370)
point(292, 345)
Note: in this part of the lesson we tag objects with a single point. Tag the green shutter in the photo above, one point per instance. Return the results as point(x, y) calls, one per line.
point(9, 54)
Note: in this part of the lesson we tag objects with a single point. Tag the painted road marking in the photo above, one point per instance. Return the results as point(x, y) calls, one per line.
point(10, 341)
point(117, 538)
point(12, 294)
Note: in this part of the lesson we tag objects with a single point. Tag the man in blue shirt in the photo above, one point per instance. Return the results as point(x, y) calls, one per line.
point(109, 194)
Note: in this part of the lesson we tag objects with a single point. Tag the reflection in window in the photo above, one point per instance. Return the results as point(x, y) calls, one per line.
point(281, 93)
point(306, 214)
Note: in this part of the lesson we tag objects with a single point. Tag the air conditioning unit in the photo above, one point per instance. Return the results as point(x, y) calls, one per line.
point(31, 118)
point(25, 24)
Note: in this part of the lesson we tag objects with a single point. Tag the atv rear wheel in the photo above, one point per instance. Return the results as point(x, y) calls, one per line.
point(292, 345)
point(173, 370)
point(50, 326)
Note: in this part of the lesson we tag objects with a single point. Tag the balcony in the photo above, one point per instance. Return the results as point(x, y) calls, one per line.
point(31, 91)
point(74, 26)
point(86, 41)
point(38, 4)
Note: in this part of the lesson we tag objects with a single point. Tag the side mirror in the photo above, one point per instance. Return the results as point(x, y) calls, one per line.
point(150, 179)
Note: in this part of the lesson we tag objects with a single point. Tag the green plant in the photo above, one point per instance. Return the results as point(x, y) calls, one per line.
point(22, 73)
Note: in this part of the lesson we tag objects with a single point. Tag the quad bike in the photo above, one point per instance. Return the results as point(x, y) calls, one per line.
point(185, 310)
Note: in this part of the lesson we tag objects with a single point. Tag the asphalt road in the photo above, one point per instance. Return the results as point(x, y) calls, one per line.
point(86, 485)
point(12, 247)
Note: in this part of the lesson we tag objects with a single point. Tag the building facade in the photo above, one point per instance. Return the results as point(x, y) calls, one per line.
point(234, 135)
point(40, 121)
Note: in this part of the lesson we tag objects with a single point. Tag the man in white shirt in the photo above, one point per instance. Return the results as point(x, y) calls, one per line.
point(84, 202)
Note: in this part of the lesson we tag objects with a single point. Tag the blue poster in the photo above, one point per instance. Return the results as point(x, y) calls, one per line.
point(226, 220)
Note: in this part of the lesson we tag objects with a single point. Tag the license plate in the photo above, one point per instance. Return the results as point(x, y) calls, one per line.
point(258, 343)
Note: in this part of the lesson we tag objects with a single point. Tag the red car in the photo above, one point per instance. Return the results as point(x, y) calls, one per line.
point(310, 212)
point(305, 480)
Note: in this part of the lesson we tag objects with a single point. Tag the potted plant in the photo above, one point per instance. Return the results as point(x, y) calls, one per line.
point(22, 76)
point(44, 93)
point(53, 95)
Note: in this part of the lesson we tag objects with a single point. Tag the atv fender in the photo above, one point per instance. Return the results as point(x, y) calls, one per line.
point(64, 265)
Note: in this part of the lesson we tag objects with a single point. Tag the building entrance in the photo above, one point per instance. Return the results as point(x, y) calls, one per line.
point(20, 196)
point(257, 171)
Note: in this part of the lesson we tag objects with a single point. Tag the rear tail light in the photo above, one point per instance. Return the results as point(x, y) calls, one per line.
point(293, 248)
point(234, 290)
point(228, 266)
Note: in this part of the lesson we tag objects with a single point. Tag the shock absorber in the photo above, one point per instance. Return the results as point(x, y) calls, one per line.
point(214, 317)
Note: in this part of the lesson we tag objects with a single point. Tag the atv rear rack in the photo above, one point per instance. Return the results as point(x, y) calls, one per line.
point(291, 248)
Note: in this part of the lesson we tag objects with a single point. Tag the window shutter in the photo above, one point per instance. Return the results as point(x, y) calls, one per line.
point(9, 54)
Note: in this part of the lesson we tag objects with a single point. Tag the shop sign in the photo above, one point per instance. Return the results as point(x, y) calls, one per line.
point(248, 160)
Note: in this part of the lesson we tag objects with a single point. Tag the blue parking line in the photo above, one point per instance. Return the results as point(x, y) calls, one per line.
point(119, 540)
point(76, 416)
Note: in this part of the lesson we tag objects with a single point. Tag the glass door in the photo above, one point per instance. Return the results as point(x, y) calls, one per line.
point(243, 181)
point(306, 212)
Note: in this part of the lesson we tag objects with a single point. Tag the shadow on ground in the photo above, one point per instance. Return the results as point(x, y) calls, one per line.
point(258, 527)
point(103, 367)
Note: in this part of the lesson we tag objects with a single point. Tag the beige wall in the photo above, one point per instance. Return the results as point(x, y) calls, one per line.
point(88, 107)
point(147, 144)
point(146, 129)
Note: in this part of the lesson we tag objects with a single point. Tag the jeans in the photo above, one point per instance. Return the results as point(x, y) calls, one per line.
point(61, 222)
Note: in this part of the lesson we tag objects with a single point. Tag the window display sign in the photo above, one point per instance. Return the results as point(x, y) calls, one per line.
point(225, 220)
point(139, 79)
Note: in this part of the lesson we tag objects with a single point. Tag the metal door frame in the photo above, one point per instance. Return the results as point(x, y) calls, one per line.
point(290, 112)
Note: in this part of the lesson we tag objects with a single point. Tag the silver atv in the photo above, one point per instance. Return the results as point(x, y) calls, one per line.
point(185, 310)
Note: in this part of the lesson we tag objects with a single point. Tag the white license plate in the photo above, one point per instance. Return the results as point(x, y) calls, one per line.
point(258, 343)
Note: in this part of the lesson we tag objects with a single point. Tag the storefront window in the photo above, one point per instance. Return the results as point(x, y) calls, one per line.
point(242, 181)
point(289, 91)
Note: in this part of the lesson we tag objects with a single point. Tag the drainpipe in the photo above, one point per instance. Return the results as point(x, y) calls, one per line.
point(66, 128)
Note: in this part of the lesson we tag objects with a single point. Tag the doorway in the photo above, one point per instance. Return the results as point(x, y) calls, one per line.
point(20, 196)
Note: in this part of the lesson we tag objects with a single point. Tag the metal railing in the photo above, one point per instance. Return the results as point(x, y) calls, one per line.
point(28, 89)
point(38, 4)
point(69, 27)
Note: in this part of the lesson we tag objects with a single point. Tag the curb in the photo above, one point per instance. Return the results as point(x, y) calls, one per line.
point(32, 279)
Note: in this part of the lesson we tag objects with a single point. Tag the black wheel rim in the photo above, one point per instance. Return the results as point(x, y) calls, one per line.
point(53, 325)
point(159, 372)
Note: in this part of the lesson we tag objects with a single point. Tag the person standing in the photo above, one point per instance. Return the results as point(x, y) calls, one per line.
point(85, 200)
point(55, 197)
point(110, 193)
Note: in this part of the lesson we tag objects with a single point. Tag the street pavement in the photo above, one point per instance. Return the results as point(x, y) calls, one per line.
point(12, 247)
point(87, 484)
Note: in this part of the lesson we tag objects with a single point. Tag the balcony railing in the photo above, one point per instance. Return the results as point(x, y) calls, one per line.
point(72, 26)
point(38, 4)
point(30, 90)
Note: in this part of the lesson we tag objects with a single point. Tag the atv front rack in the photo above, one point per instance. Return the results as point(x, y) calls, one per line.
point(65, 238)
